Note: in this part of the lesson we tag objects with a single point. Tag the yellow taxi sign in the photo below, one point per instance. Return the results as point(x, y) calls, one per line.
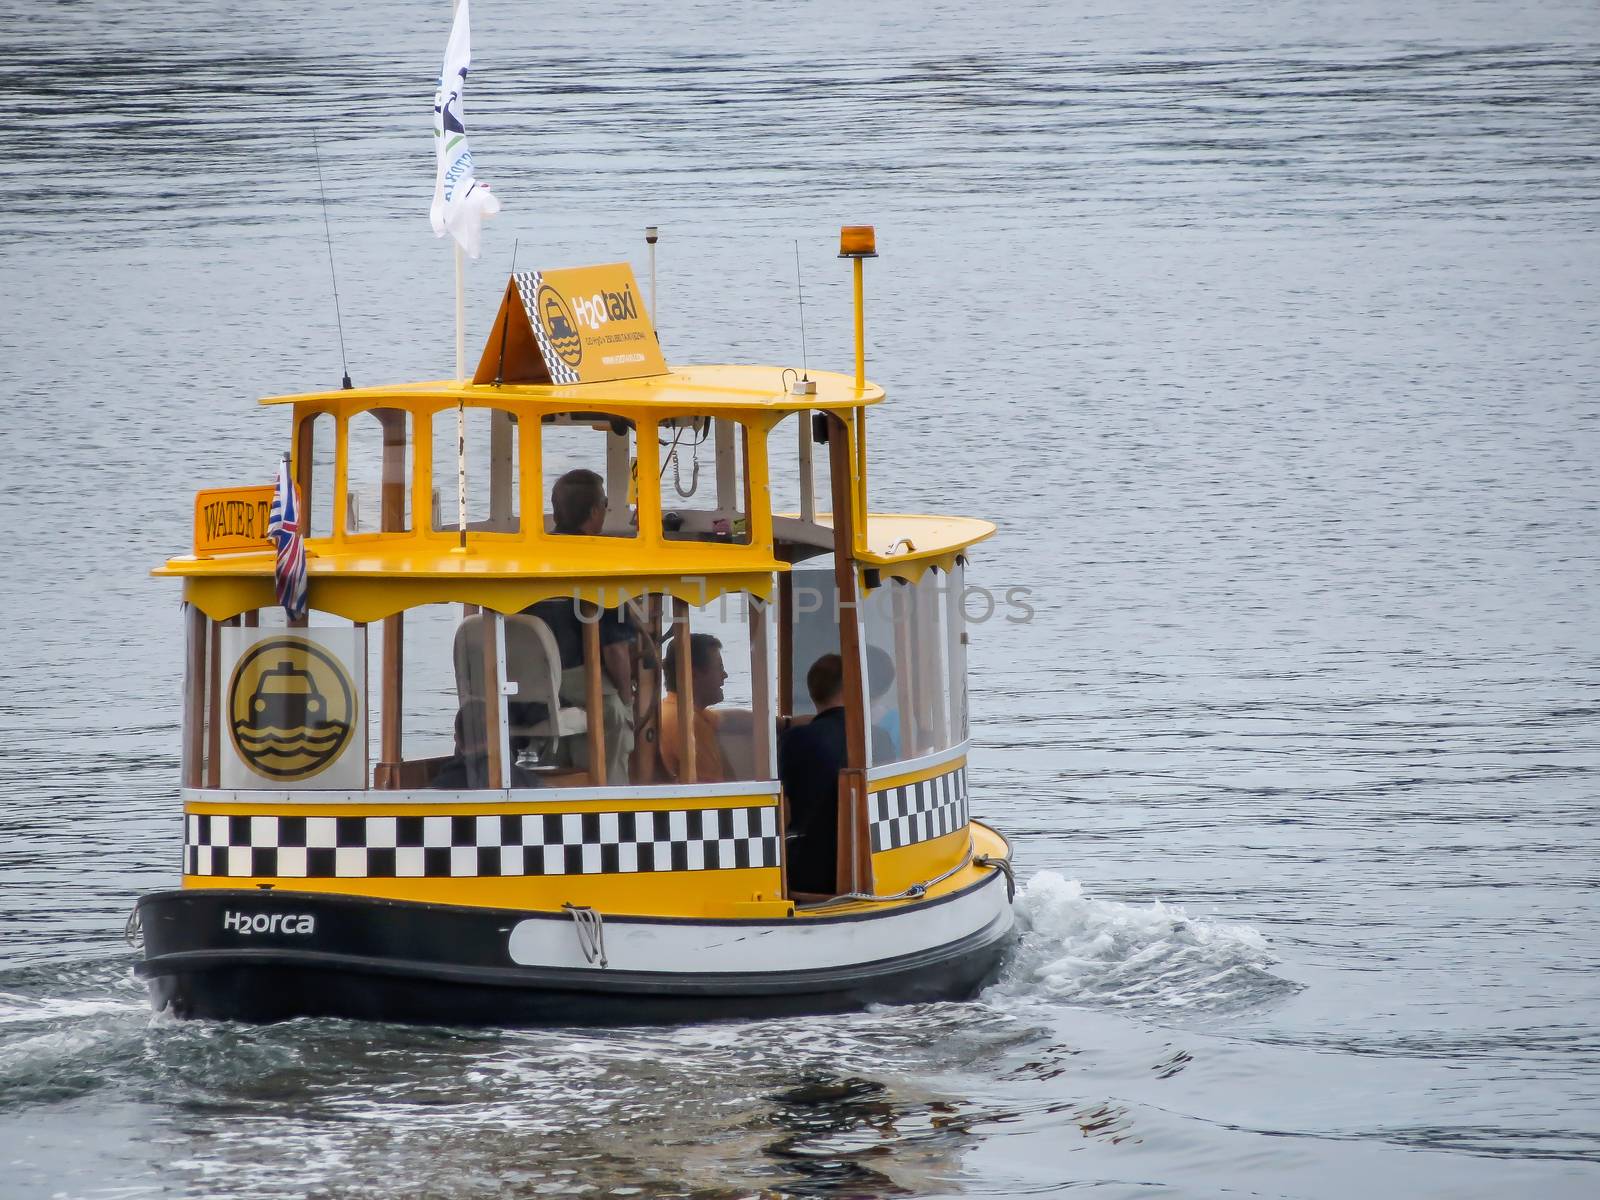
point(232, 520)
point(574, 325)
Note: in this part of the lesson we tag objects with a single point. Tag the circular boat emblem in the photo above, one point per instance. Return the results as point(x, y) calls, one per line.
point(559, 328)
point(291, 708)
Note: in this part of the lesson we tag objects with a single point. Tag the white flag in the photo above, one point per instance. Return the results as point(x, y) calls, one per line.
point(460, 202)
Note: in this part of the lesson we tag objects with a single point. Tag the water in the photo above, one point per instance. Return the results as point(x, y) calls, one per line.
point(1266, 332)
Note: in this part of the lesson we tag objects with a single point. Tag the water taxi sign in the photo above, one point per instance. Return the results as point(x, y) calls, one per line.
point(576, 325)
point(231, 520)
point(294, 708)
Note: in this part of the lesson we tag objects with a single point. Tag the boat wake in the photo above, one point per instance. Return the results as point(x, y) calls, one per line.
point(1078, 950)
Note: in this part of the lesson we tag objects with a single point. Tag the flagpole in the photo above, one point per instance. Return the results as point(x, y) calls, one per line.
point(461, 408)
point(461, 375)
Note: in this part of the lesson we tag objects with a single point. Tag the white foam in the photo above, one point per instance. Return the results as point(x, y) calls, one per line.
point(1081, 950)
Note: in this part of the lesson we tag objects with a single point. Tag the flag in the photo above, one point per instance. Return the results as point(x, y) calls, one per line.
point(283, 526)
point(460, 202)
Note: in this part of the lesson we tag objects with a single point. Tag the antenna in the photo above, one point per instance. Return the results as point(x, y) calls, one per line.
point(805, 371)
point(328, 234)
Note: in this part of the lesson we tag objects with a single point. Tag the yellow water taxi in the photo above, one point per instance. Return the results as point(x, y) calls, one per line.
point(568, 733)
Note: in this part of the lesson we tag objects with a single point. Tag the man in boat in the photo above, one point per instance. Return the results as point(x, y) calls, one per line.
point(810, 757)
point(705, 665)
point(578, 506)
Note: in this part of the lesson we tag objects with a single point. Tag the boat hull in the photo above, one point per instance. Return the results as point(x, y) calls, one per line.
point(268, 956)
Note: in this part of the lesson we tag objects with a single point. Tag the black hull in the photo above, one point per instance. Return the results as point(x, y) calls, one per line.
point(385, 960)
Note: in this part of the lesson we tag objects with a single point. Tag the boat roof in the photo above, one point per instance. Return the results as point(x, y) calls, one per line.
point(698, 389)
point(373, 577)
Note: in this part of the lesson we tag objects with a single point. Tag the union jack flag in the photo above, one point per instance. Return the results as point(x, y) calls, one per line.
point(283, 525)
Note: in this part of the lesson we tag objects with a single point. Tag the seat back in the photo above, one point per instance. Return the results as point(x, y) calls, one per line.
point(533, 661)
point(471, 678)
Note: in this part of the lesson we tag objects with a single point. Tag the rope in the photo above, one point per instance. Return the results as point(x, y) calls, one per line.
point(1004, 865)
point(914, 892)
point(591, 932)
point(133, 929)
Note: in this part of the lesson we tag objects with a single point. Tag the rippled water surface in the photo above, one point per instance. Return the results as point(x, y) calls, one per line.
point(1268, 334)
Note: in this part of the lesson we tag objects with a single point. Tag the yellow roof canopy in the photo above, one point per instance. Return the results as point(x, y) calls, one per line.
point(701, 389)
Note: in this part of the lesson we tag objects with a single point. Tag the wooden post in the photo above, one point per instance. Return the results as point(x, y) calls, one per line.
point(844, 577)
point(252, 619)
point(502, 471)
point(722, 438)
point(683, 668)
point(595, 698)
point(785, 644)
point(763, 737)
point(854, 862)
point(394, 672)
point(196, 636)
point(855, 849)
point(905, 670)
point(214, 707)
point(647, 696)
point(930, 656)
point(493, 709)
point(808, 481)
point(305, 438)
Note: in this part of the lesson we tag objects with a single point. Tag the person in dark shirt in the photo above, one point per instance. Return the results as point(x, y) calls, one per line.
point(578, 508)
point(809, 761)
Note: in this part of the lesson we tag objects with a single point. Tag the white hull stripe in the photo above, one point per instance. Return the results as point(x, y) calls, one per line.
point(458, 847)
point(797, 944)
point(919, 812)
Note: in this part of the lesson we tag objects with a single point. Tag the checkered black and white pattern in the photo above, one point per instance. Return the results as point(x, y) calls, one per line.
point(591, 843)
point(528, 288)
point(919, 812)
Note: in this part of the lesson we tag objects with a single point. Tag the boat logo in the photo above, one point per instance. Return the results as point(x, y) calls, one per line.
point(560, 330)
point(291, 708)
point(248, 923)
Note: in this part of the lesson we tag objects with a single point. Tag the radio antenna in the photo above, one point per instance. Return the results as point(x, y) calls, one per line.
point(805, 371)
point(328, 234)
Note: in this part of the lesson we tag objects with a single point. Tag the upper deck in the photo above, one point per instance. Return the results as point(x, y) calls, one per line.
point(377, 470)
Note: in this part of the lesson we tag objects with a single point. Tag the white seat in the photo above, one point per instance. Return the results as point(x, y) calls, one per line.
point(533, 668)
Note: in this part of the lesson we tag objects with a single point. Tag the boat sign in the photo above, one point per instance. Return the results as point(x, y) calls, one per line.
point(577, 325)
point(293, 708)
point(231, 520)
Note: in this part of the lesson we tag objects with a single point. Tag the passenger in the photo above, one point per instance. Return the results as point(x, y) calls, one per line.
point(810, 758)
point(705, 665)
point(468, 768)
point(578, 505)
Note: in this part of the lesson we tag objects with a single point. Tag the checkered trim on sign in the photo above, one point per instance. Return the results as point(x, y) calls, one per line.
point(591, 843)
point(919, 812)
point(528, 283)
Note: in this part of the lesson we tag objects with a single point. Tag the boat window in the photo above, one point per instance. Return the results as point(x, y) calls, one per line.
point(492, 471)
point(704, 480)
point(378, 472)
point(439, 733)
point(606, 448)
point(814, 627)
point(887, 686)
point(908, 679)
point(731, 672)
point(793, 455)
point(316, 475)
point(956, 650)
